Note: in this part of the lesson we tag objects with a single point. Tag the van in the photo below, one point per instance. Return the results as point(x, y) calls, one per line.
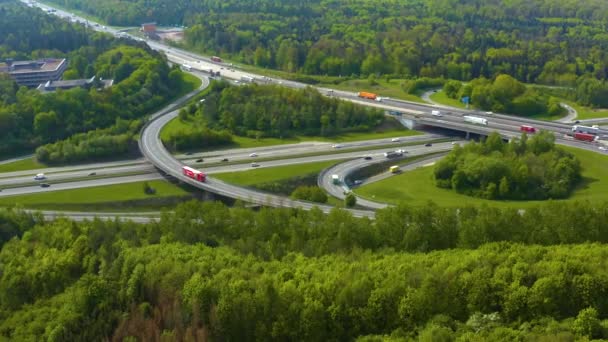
point(436, 113)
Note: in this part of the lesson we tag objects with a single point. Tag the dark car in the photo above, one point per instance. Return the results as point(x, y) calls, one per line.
point(200, 160)
point(367, 157)
point(428, 145)
point(577, 121)
point(44, 185)
point(92, 173)
point(225, 159)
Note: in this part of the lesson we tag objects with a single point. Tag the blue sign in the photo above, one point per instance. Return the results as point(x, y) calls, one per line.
point(465, 99)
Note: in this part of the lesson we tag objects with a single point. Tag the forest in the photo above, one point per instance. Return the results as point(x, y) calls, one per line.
point(529, 168)
point(209, 272)
point(274, 111)
point(28, 119)
point(539, 41)
point(259, 111)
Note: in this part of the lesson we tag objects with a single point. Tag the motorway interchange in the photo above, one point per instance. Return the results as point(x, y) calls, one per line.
point(411, 113)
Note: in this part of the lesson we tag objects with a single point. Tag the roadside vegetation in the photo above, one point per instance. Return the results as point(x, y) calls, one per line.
point(504, 94)
point(117, 197)
point(58, 122)
point(417, 187)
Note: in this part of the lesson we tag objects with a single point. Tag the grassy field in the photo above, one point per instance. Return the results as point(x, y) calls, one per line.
point(21, 165)
point(390, 129)
point(417, 187)
point(441, 98)
point(118, 197)
point(273, 174)
point(584, 113)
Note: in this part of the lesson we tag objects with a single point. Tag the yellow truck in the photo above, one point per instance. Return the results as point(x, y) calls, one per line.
point(394, 169)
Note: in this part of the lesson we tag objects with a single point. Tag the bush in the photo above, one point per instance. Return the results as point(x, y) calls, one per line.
point(310, 193)
point(350, 200)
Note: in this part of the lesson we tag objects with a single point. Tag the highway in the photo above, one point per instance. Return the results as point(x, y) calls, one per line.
point(153, 149)
point(343, 170)
point(155, 152)
point(82, 179)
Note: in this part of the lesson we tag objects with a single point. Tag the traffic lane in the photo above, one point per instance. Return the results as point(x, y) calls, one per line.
point(78, 174)
point(34, 189)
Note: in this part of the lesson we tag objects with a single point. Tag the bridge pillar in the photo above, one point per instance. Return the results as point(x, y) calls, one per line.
point(468, 136)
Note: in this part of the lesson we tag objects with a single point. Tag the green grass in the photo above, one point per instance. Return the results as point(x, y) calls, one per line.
point(417, 187)
point(390, 129)
point(118, 197)
point(441, 98)
point(273, 174)
point(22, 165)
point(191, 82)
point(584, 113)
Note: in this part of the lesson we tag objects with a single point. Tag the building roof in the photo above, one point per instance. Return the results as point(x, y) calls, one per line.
point(20, 67)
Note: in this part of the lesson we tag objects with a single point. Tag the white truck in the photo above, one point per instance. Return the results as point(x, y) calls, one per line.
point(247, 79)
point(475, 120)
point(595, 129)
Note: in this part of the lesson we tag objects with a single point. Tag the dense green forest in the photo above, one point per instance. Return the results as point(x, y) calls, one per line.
point(28, 119)
point(545, 41)
point(530, 168)
point(259, 111)
point(214, 273)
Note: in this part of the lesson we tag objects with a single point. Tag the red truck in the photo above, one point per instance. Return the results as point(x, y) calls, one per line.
point(584, 137)
point(216, 59)
point(527, 129)
point(194, 173)
point(367, 95)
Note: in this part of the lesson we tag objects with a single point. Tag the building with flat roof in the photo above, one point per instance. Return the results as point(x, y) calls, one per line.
point(69, 84)
point(33, 73)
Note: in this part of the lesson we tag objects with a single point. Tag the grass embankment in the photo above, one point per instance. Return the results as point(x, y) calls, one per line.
point(417, 187)
point(272, 174)
point(389, 129)
point(585, 113)
point(441, 98)
point(117, 197)
point(22, 165)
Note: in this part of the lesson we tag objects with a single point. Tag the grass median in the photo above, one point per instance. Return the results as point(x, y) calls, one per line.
point(417, 187)
point(117, 197)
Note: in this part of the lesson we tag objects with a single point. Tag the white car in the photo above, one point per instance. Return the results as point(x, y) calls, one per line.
point(40, 176)
point(253, 154)
point(436, 113)
point(337, 146)
point(395, 140)
point(603, 148)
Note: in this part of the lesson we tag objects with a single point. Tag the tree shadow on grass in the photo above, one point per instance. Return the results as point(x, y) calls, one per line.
point(585, 183)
